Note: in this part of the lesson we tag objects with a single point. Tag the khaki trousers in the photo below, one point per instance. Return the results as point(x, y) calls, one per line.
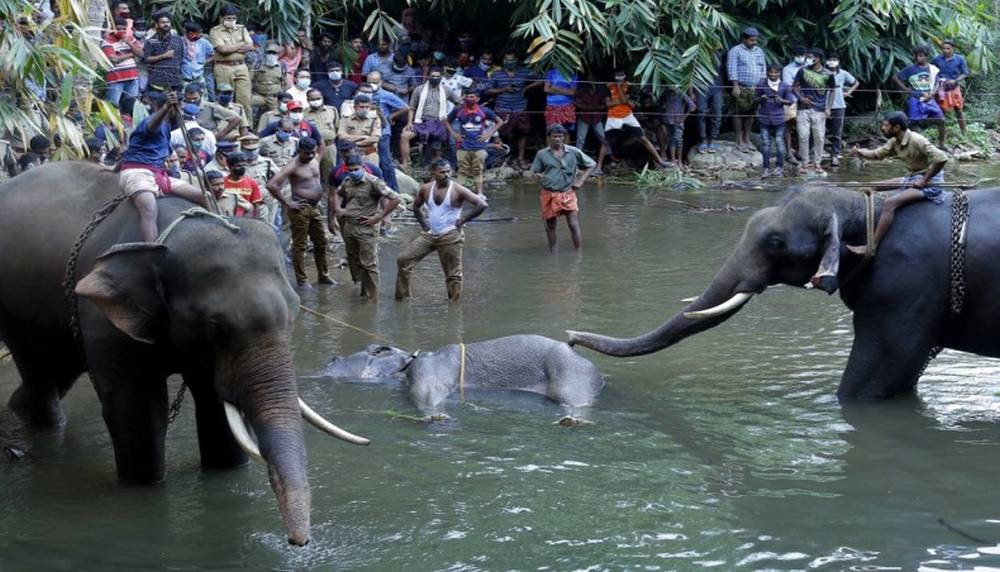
point(237, 76)
point(361, 244)
point(471, 165)
point(449, 249)
point(307, 224)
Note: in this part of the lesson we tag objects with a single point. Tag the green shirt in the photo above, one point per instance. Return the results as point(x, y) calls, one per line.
point(915, 151)
point(559, 174)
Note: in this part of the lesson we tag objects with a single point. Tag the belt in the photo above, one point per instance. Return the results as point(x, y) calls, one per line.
point(310, 202)
point(234, 63)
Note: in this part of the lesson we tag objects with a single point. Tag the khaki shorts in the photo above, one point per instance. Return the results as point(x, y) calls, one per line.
point(134, 181)
point(791, 111)
point(471, 164)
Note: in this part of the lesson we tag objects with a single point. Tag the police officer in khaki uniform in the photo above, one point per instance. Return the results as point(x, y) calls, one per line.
point(269, 117)
point(363, 193)
point(260, 169)
point(232, 42)
point(218, 163)
point(326, 119)
point(215, 115)
point(268, 80)
point(280, 147)
point(363, 127)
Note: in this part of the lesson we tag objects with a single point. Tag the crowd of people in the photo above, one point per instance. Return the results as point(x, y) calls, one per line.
point(270, 128)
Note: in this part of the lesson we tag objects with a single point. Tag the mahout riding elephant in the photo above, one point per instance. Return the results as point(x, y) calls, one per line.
point(901, 299)
point(528, 363)
point(211, 301)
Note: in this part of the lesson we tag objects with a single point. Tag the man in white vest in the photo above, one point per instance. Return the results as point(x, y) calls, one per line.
point(429, 101)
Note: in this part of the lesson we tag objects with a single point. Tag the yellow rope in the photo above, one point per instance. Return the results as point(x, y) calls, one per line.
point(345, 324)
point(461, 373)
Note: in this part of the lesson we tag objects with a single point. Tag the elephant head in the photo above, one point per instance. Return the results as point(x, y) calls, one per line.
point(798, 243)
point(374, 362)
point(220, 301)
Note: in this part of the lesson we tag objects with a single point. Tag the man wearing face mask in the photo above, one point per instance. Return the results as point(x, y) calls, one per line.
point(358, 201)
point(164, 53)
point(401, 78)
point(363, 128)
point(509, 86)
point(325, 118)
point(303, 127)
point(237, 182)
point(390, 108)
point(380, 61)
point(473, 136)
point(218, 162)
point(268, 80)
point(277, 114)
point(201, 155)
point(303, 79)
point(197, 51)
point(788, 74)
point(280, 146)
point(814, 89)
point(216, 116)
point(232, 42)
point(302, 173)
point(443, 230)
point(189, 115)
point(480, 73)
point(260, 169)
point(335, 89)
point(838, 108)
point(120, 46)
point(429, 119)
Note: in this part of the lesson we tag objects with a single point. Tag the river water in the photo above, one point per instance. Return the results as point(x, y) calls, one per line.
point(728, 451)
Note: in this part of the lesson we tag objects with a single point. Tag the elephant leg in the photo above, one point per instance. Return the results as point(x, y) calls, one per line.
point(48, 369)
point(885, 357)
point(133, 394)
point(216, 445)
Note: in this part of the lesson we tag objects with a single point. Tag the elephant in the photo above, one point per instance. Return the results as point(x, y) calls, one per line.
point(900, 298)
point(529, 363)
point(210, 300)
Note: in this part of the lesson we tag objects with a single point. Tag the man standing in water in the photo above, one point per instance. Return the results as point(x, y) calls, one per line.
point(924, 161)
point(358, 200)
point(302, 173)
point(443, 229)
point(556, 167)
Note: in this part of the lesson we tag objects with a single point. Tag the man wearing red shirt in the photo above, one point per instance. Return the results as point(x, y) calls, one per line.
point(238, 183)
point(121, 47)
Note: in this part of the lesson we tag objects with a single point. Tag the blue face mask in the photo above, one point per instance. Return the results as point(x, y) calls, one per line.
point(259, 39)
point(283, 135)
point(356, 174)
point(225, 99)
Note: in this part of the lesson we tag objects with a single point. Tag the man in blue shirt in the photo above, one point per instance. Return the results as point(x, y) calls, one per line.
point(197, 51)
point(391, 107)
point(473, 135)
point(480, 73)
point(335, 89)
point(509, 85)
point(952, 70)
point(380, 61)
point(143, 177)
point(746, 66)
point(919, 80)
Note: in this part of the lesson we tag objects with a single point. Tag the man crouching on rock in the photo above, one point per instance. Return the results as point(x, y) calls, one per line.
point(142, 177)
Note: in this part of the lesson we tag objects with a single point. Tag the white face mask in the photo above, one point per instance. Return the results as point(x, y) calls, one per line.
point(296, 116)
point(302, 83)
point(315, 103)
point(833, 64)
point(335, 76)
point(271, 59)
point(361, 113)
point(800, 60)
point(229, 24)
point(810, 61)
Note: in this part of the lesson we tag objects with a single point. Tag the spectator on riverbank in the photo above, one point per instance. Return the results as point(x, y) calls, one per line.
point(838, 107)
point(952, 70)
point(919, 81)
point(745, 64)
point(773, 95)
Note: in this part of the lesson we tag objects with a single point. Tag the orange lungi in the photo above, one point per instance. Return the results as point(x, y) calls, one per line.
point(557, 203)
point(949, 99)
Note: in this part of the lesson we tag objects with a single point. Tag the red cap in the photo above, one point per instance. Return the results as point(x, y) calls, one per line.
point(294, 104)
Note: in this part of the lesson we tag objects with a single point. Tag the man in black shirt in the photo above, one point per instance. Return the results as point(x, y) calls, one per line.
point(163, 53)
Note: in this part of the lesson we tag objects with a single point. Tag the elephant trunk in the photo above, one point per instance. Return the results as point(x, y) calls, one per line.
point(260, 381)
point(727, 293)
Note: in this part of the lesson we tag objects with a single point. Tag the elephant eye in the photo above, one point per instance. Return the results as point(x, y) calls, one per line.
point(774, 243)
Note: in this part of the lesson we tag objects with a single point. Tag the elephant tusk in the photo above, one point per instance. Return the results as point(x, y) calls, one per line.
point(689, 300)
point(731, 304)
point(329, 428)
point(239, 430)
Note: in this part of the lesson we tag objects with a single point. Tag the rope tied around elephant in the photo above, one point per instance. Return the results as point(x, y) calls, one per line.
point(870, 246)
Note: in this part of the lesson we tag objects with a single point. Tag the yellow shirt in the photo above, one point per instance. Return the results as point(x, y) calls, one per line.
point(915, 151)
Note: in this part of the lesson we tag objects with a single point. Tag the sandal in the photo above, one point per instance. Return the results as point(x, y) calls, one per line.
point(712, 147)
point(703, 148)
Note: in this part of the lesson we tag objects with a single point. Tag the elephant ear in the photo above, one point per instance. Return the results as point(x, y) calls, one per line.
point(826, 275)
point(124, 284)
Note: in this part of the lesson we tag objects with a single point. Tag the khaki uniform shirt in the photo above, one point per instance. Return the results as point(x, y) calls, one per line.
point(363, 197)
point(268, 81)
point(325, 119)
point(367, 127)
point(223, 36)
point(280, 153)
point(212, 115)
point(915, 151)
point(262, 170)
point(267, 118)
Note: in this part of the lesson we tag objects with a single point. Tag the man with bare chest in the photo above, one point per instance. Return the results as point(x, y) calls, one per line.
point(302, 174)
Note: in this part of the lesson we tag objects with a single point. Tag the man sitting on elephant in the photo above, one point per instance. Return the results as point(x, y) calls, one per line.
point(924, 161)
point(143, 178)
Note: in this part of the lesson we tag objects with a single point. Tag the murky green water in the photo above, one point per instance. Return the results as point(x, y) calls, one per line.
point(728, 451)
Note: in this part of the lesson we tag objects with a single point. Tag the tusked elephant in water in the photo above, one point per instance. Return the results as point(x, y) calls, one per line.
point(211, 301)
point(528, 363)
point(901, 299)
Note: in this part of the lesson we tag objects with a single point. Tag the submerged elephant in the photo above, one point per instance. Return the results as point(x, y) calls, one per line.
point(530, 363)
point(901, 300)
point(210, 301)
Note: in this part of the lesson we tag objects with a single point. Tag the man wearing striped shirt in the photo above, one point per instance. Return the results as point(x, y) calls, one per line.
point(121, 46)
